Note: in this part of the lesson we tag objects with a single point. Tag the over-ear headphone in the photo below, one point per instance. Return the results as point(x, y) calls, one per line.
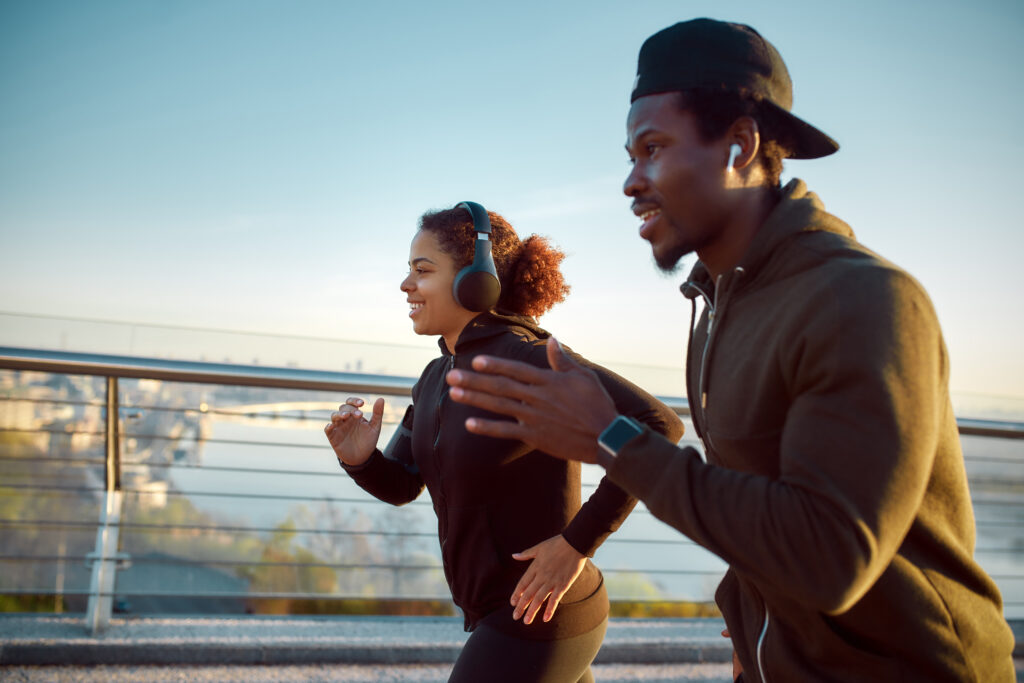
point(476, 286)
point(734, 151)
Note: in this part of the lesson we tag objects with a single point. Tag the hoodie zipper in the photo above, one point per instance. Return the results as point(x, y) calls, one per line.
point(760, 645)
point(443, 512)
point(702, 382)
point(440, 402)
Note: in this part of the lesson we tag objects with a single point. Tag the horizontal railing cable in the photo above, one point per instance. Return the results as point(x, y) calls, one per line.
point(997, 504)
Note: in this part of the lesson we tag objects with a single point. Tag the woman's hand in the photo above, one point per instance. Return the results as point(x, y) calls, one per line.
point(554, 568)
point(737, 668)
point(352, 436)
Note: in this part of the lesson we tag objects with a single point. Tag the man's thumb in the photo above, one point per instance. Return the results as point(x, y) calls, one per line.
point(558, 359)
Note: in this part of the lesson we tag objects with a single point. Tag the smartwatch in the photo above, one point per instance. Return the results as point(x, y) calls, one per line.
point(616, 435)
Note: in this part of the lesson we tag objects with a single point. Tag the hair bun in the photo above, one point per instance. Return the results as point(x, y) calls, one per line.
point(536, 283)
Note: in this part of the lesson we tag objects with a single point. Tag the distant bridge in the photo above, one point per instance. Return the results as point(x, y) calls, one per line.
point(302, 411)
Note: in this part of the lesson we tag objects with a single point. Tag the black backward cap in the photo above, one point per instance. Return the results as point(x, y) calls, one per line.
point(716, 55)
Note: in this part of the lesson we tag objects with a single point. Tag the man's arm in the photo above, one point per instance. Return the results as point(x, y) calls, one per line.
point(560, 411)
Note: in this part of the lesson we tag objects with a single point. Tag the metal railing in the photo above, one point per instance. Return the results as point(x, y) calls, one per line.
point(119, 404)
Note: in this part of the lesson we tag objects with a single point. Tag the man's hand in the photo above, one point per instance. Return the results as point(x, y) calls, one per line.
point(561, 411)
point(554, 569)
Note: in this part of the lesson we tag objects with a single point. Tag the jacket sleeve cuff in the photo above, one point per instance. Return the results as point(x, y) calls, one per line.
point(639, 467)
point(369, 464)
point(580, 538)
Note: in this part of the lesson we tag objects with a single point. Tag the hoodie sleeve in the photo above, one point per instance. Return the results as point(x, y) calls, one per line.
point(609, 505)
point(855, 453)
point(391, 475)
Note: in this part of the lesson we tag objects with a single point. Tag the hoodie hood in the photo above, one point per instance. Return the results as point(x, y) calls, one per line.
point(798, 212)
point(491, 323)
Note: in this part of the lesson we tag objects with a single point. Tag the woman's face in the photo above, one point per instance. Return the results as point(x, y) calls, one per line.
point(428, 289)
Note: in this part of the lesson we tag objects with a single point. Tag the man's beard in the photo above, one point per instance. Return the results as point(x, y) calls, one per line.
point(668, 262)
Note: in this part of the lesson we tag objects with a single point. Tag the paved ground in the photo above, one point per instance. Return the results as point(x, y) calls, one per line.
point(58, 649)
point(329, 673)
point(50, 648)
point(52, 639)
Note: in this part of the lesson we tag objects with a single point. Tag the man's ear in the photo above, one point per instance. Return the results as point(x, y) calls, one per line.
point(744, 133)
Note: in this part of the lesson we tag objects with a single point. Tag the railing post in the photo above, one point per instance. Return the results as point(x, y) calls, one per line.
point(105, 557)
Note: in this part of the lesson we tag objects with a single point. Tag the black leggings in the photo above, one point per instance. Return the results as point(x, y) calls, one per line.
point(492, 656)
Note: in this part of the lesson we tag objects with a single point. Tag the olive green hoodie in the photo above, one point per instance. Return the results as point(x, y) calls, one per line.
point(834, 485)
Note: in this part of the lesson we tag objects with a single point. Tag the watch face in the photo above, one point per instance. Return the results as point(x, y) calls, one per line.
point(618, 433)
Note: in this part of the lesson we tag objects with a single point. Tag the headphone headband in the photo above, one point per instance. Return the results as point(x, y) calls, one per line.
point(481, 221)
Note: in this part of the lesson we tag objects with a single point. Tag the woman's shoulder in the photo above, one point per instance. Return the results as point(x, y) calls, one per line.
point(522, 345)
point(435, 369)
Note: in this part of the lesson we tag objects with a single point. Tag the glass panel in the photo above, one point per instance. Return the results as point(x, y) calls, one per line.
point(52, 454)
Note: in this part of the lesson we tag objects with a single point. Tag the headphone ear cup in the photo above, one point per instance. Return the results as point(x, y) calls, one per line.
point(476, 290)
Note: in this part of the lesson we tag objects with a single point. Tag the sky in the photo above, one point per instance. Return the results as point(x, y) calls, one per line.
point(260, 166)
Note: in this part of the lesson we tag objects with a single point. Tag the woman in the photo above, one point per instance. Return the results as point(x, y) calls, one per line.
point(514, 536)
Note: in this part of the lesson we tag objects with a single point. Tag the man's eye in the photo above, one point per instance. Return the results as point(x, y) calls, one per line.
point(652, 148)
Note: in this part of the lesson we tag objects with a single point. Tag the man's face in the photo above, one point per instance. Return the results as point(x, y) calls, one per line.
point(677, 180)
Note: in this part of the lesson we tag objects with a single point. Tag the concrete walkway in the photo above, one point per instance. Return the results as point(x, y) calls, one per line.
point(63, 640)
point(257, 649)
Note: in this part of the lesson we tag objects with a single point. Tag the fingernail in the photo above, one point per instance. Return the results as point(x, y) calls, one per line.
point(471, 423)
point(456, 392)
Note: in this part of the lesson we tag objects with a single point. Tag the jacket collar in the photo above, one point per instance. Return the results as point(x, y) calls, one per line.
point(798, 211)
point(491, 324)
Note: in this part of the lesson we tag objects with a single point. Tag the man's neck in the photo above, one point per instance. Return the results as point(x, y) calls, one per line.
point(741, 225)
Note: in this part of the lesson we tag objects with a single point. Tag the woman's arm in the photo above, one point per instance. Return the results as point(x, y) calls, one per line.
point(391, 475)
point(607, 508)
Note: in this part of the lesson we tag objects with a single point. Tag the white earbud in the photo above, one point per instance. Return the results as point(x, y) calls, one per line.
point(734, 151)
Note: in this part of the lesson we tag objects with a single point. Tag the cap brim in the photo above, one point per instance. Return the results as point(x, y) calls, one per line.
point(806, 141)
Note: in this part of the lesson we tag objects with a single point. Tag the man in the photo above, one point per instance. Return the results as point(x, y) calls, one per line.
point(817, 376)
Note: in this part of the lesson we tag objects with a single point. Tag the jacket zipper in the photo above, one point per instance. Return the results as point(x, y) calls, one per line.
point(440, 402)
point(712, 309)
point(760, 645)
point(437, 466)
point(714, 313)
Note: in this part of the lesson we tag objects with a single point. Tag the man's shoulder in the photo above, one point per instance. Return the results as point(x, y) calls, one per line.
point(843, 262)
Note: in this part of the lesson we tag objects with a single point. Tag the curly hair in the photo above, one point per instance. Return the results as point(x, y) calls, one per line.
point(531, 282)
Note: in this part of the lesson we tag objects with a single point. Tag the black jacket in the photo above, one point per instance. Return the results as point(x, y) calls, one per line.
point(495, 497)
